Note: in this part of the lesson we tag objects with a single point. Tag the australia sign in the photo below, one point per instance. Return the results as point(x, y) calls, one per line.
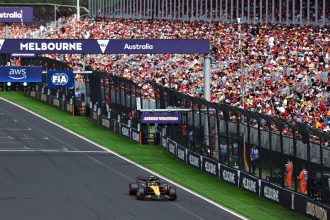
point(20, 74)
point(16, 14)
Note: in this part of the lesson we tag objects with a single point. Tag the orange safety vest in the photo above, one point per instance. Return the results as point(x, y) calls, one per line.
point(289, 170)
point(302, 181)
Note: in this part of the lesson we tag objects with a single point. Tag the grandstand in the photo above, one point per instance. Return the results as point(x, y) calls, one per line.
point(270, 74)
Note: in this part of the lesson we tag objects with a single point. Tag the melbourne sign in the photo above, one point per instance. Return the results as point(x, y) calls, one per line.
point(60, 79)
point(20, 74)
point(93, 46)
point(60, 46)
point(16, 14)
point(161, 118)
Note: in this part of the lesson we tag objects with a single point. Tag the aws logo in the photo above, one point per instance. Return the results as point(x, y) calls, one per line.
point(60, 79)
point(17, 74)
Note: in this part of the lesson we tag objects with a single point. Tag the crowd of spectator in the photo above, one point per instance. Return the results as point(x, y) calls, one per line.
point(285, 69)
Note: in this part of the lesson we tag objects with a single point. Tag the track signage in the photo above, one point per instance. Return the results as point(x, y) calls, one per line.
point(161, 118)
point(229, 174)
point(60, 79)
point(20, 74)
point(92, 46)
point(194, 159)
point(210, 166)
point(249, 183)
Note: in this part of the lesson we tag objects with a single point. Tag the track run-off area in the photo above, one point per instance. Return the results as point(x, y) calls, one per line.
point(48, 172)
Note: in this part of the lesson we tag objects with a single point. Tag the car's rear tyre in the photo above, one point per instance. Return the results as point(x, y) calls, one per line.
point(140, 193)
point(132, 188)
point(172, 193)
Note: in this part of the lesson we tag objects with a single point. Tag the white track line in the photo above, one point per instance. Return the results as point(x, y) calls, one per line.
point(16, 129)
point(32, 138)
point(128, 160)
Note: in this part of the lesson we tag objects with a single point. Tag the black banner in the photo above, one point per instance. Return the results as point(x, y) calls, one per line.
point(171, 147)
point(249, 183)
point(125, 130)
point(194, 159)
point(229, 175)
point(181, 153)
point(270, 191)
point(135, 135)
point(311, 208)
point(164, 142)
point(276, 194)
point(210, 166)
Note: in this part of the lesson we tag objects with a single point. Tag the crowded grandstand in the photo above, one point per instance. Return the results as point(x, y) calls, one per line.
point(284, 67)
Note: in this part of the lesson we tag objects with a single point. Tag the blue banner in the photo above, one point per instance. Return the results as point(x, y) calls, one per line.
point(153, 46)
point(16, 14)
point(91, 46)
point(20, 74)
point(61, 79)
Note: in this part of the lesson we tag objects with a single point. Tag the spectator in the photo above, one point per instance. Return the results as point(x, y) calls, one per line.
point(254, 158)
point(224, 152)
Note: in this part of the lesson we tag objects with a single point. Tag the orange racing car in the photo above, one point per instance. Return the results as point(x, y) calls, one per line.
point(152, 188)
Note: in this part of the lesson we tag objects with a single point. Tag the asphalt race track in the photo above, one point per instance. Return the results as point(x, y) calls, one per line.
point(48, 173)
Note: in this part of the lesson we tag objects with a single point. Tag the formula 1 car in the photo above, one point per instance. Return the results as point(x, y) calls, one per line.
point(151, 188)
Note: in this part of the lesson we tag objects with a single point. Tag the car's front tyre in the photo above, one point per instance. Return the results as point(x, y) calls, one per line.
point(132, 188)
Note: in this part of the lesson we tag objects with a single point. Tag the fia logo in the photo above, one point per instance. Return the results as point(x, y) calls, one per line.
point(60, 79)
point(17, 74)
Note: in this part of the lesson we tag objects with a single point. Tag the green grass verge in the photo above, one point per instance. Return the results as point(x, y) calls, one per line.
point(157, 159)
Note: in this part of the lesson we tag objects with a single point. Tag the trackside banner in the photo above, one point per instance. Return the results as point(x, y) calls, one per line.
point(249, 183)
point(171, 147)
point(20, 74)
point(164, 142)
point(16, 14)
point(276, 194)
point(194, 159)
point(161, 118)
point(92, 46)
point(210, 166)
point(310, 207)
point(181, 153)
point(61, 79)
point(229, 175)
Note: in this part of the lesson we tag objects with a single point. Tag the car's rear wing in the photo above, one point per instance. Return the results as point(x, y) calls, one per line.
point(146, 179)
